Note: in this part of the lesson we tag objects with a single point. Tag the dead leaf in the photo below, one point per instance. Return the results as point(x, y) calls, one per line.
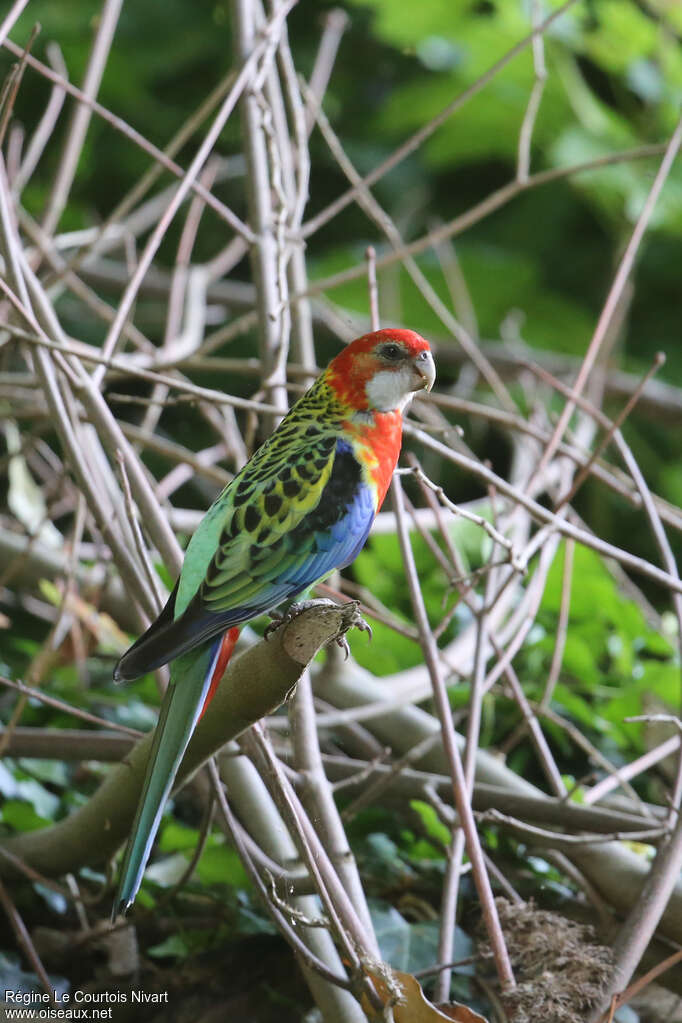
point(25, 498)
point(99, 624)
point(413, 1007)
point(461, 1013)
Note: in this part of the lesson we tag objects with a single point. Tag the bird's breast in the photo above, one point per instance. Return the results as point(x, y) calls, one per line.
point(376, 442)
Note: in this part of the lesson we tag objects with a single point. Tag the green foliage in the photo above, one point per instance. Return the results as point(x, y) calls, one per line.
point(177, 946)
point(218, 864)
point(412, 946)
point(432, 823)
point(27, 804)
point(22, 816)
point(613, 661)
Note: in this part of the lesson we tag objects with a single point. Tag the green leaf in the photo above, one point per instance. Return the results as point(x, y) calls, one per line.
point(579, 659)
point(663, 679)
point(628, 703)
point(44, 803)
point(167, 871)
point(382, 858)
point(9, 785)
point(574, 704)
point(176, 837)
point(219, 864)
point(173, 947)
point(22, 816)
point(55, 900)
point(135, 714)
point(53, 771)
point(432, 823)
point(412, 946)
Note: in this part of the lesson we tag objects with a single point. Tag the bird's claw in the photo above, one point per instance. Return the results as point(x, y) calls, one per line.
point(350, 619)
point(280, 618)
point(342, 642)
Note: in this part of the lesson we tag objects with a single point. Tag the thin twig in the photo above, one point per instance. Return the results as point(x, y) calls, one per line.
point(371, 255)
point(306, 956)
point(75, 139)
point(46, 125)
point(615, 292)
point(478, 212)
point(648, 978)
point(556, 839)
point(534, 100)
point(143, 554)
point(61, 705)
point(425, 132)
point(562, 626)
point(259, 51)
point(318, 798)
point(614, 427)
point(638, 929)
point(335, 25)
point(13, 83)
point(25, 941)
point(457, 771)
point(131, 134)
point(10, 19)
point(631, 770)
point(542, 514)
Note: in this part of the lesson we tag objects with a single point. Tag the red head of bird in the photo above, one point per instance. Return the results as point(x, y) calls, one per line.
point(381, 371)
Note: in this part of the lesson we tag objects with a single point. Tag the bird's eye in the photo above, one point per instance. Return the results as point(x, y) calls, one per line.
point(392, 352)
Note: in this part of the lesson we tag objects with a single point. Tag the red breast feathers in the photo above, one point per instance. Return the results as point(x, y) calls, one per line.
point(374, 378)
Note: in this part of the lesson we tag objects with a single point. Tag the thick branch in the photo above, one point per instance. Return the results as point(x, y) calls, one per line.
point(616, 871)
point(254, 684)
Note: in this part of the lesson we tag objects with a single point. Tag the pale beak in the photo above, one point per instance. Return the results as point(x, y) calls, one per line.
point(425, 369)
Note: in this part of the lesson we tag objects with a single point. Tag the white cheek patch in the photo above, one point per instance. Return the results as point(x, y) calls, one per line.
point(390, 389)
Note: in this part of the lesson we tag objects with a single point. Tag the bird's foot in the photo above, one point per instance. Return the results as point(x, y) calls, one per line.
point(351, 619)
point(280, 618)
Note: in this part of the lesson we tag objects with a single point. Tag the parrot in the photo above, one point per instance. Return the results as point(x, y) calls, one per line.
point(301, 507)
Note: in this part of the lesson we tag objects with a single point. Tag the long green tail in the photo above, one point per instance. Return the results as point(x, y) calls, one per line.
point(191, 676)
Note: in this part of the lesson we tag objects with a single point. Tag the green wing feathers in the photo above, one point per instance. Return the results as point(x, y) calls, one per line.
point(241, 558)
point(264, 506)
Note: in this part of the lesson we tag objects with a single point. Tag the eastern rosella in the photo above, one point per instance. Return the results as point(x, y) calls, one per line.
point(302, 506)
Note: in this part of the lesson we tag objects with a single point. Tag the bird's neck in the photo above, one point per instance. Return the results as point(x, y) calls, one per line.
point(377, 435)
